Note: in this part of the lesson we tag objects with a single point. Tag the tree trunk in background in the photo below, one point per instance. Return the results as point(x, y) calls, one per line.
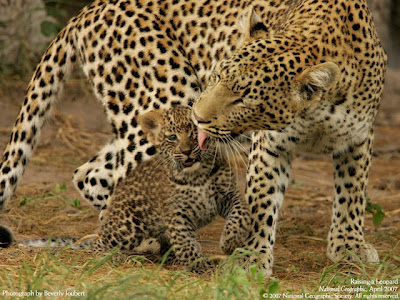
point(21, 39)
point(381, 12)
point(386, 14)
point(394, 49)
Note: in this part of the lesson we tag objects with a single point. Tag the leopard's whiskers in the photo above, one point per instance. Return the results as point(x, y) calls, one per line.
point(238, 153)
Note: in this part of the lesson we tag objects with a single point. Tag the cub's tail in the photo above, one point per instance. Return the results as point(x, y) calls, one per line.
point(72, 242)
point(42, 91)
point(7, 239)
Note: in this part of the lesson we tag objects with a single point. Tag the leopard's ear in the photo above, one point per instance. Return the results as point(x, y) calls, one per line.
point(151, 124)
point(315, 80)
point(252, 25)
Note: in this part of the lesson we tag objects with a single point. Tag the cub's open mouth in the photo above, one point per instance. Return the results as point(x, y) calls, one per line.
point(189, 162)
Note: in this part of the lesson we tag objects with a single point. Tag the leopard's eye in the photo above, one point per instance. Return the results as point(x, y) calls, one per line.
point(214, 78)
point(172, 137)
point(238, 101)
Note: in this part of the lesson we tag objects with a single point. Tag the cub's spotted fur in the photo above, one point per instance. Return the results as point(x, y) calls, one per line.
point(170, 196)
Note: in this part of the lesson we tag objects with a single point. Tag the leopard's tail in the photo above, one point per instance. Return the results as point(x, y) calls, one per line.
point(43, 89)
point(7, 239)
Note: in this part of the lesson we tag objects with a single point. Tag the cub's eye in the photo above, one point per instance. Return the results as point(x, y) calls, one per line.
point(172, 137)
point(238, 101)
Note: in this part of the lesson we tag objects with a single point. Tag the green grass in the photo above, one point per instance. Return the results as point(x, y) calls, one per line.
point(58, 194)
point(100, 279)
point(91, 278)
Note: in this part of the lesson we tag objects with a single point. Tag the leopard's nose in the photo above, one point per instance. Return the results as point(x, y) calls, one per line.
point(200, 120)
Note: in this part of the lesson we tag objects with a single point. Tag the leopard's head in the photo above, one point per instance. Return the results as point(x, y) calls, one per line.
point(264, 85)
point(174, 135)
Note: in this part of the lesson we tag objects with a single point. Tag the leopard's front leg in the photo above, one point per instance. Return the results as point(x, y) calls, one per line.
point(267, 179)
point(347, 229)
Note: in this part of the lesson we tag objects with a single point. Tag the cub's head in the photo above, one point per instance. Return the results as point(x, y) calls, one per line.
point(174, 135)
point(264, 85)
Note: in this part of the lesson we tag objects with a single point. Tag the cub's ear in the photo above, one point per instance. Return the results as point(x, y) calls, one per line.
point(151, 124)
point(315, 80)
point(252, 25)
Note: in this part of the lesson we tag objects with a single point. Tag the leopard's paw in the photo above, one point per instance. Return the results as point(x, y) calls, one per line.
point(249, 259)
point(365, 252)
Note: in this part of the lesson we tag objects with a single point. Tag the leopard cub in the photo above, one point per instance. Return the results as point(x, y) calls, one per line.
point(178, 191)
point(165, 200)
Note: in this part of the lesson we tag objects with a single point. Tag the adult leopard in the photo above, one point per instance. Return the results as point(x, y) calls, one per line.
point(307, 78)
point(141, 55)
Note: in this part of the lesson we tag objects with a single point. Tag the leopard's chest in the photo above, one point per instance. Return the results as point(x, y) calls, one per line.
point(325, 129)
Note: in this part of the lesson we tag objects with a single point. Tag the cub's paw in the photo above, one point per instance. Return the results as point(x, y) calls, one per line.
point(169, 258)
point(119, 258)
point(228, 244)
point(149, 246)
point(201, 265)
point(365, 252)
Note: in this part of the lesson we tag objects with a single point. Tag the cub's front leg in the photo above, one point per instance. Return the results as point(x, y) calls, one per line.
point(182, 222)
point(237, 226)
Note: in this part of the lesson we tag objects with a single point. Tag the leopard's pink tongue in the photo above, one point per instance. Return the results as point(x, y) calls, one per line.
point(201, 138)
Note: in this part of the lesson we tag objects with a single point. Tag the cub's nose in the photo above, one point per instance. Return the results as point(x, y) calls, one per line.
point(187, 152)
point(200, 120)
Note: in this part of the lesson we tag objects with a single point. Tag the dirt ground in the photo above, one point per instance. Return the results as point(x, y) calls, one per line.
point(78, 129)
